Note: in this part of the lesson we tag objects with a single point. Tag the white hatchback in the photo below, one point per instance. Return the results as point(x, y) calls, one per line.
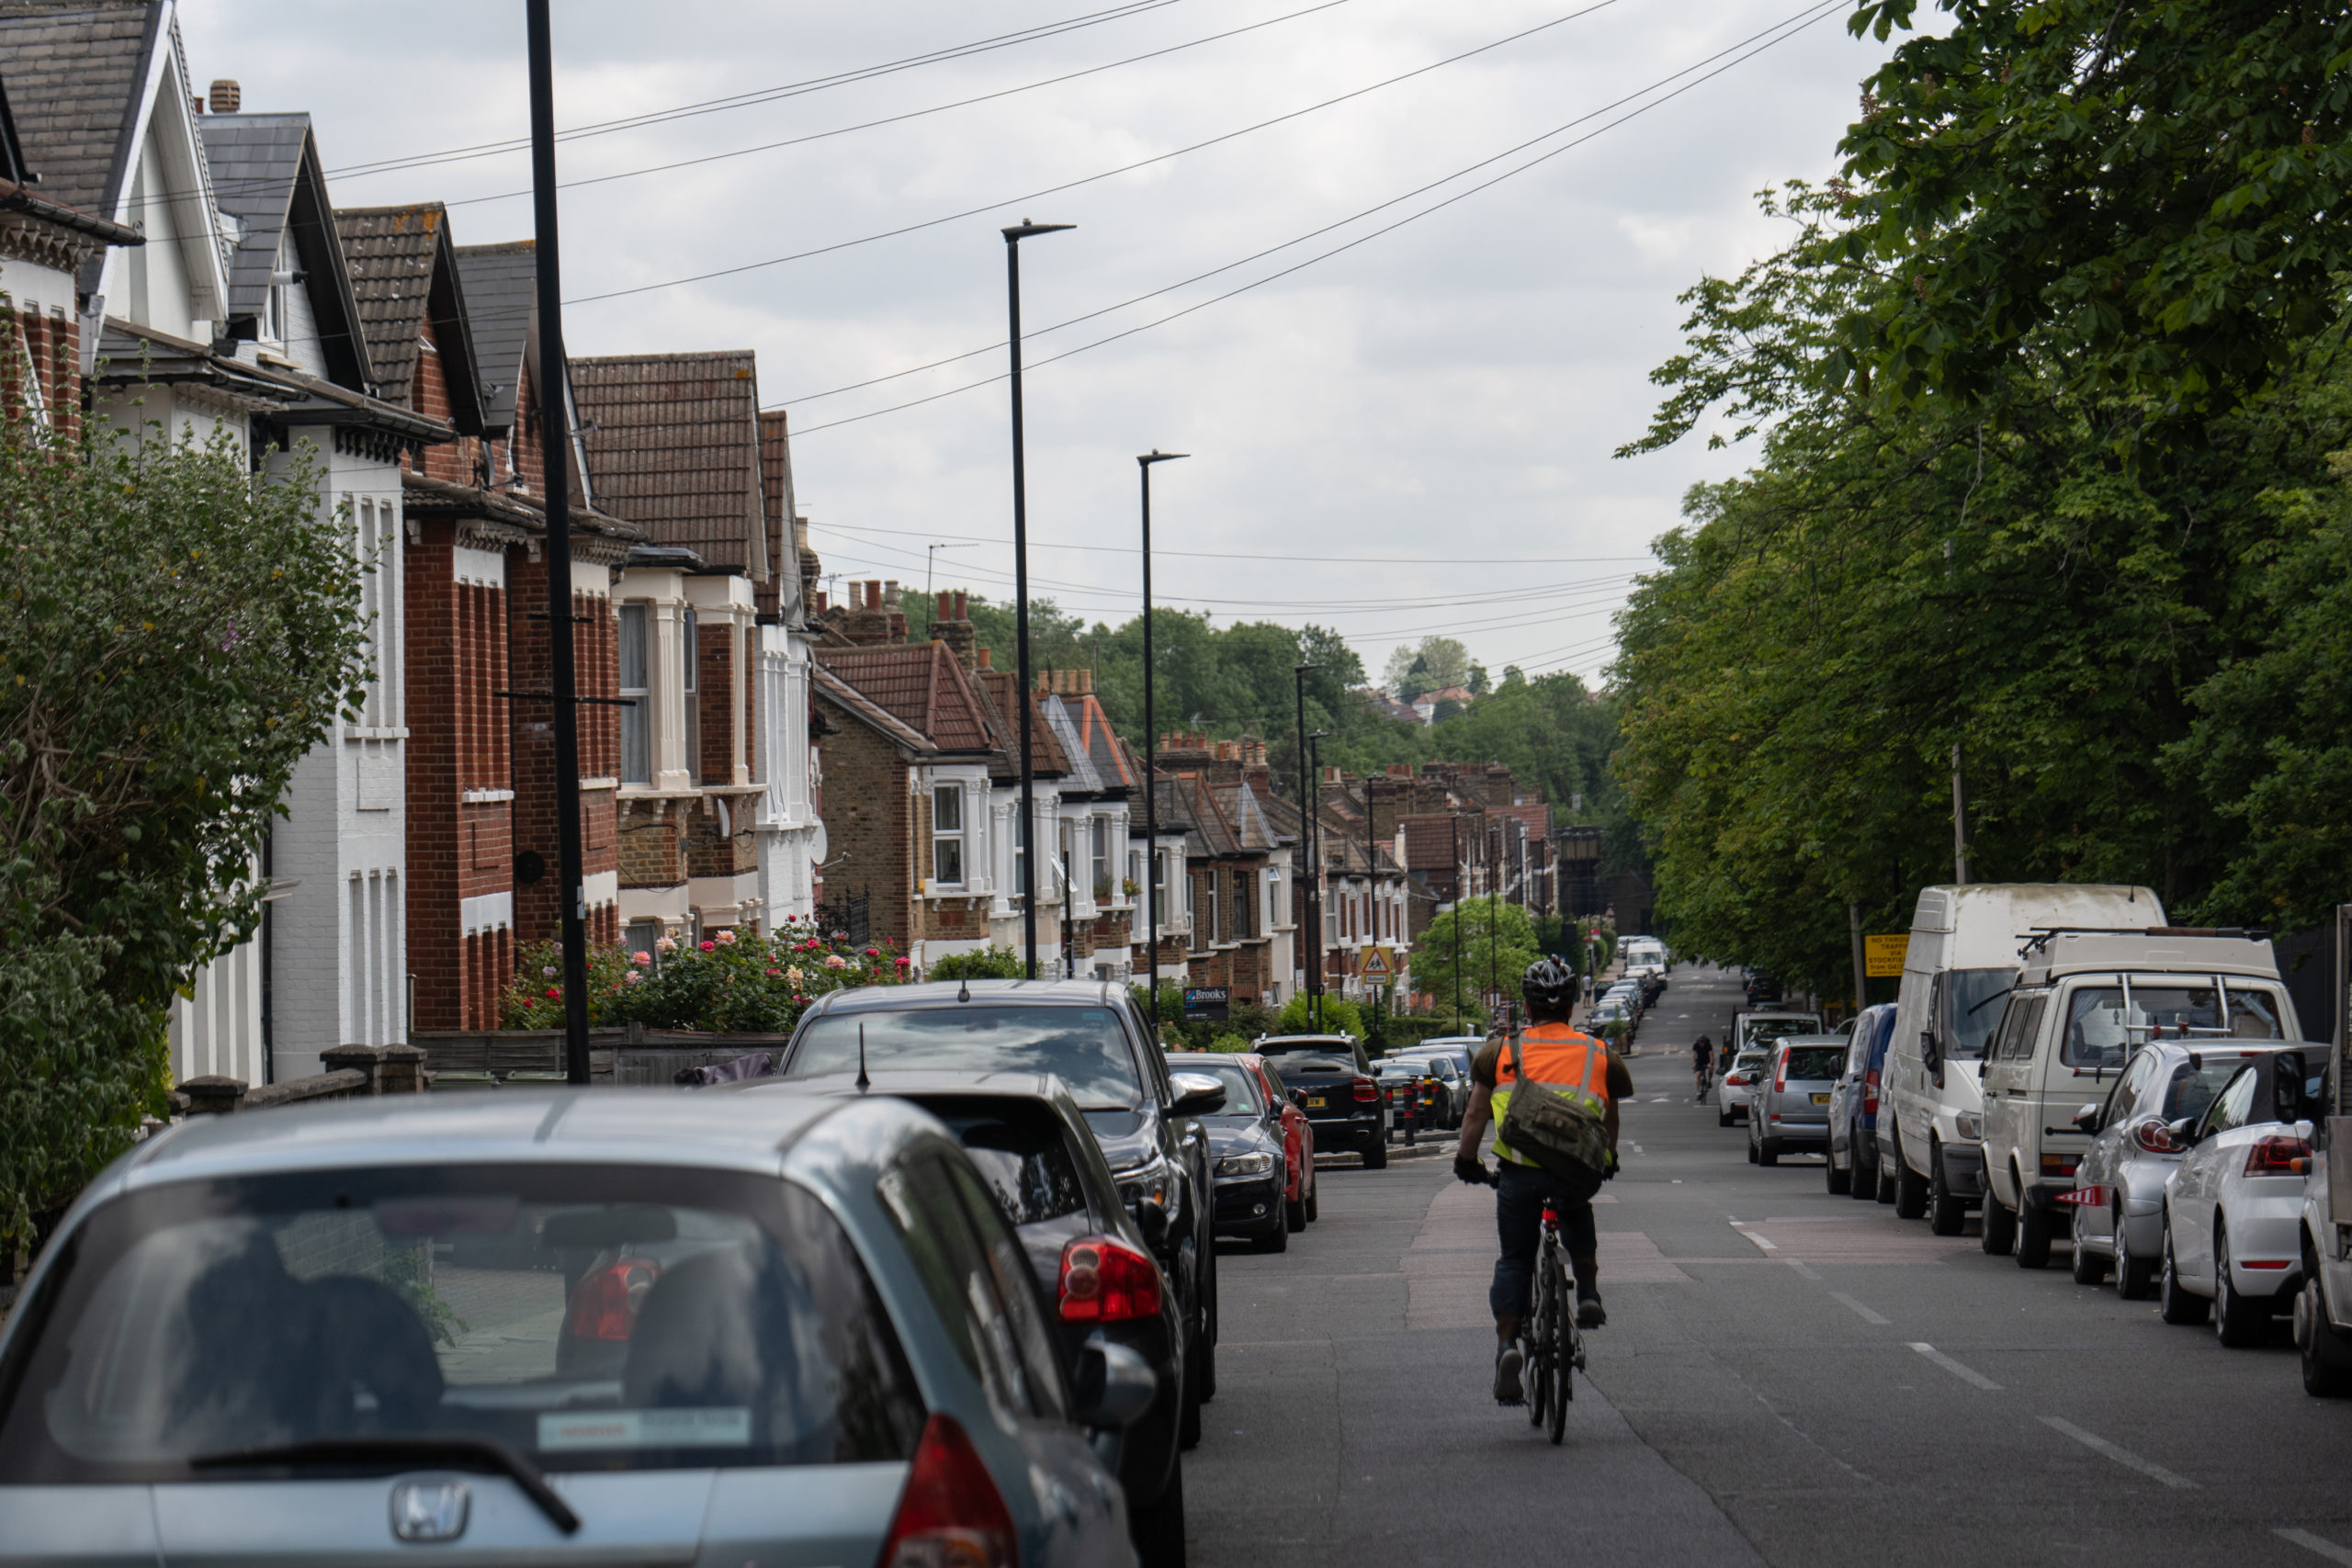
point(2233, 1205)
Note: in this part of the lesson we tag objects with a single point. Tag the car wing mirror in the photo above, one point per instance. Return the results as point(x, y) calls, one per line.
point(1197, 1094)
point(1929, 1057)
point(1113, 1386)
point(2088, 1119)
point(1151, 1218)
point(1298, 1098)
point(2182, 1133)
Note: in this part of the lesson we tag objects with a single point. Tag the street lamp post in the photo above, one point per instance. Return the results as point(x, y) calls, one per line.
point(1012, 238)
point(1309, 873)
point(1150, 745)
point(1453, 825)
point(1314, 818)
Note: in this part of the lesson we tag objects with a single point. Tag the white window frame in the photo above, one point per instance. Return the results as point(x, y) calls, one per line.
point(948, 835)
point(639, 714)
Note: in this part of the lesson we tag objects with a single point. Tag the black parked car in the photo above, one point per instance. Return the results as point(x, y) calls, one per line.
point(1030, 1141)
point(1252, 1171)
point(1089, 1034)
point(1332, 1078)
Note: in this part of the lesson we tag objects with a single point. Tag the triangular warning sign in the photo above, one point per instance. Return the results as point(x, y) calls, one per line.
point(1376, 965)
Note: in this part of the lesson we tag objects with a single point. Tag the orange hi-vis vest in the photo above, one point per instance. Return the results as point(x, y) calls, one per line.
point(1562, 1058)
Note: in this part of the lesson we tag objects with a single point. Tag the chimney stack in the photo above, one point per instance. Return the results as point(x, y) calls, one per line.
point(952, 626)
point(872, 621)
point(226, 94)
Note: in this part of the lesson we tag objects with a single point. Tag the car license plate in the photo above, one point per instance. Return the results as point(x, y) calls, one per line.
point(1315, 1102)
point(1821, 1100)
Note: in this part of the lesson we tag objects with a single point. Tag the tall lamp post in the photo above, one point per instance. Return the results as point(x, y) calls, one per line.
point(1371, 898)
point(1315, 818)
point(1310, 873)
point(1150, 745)
point(1012, 238)
point(1453, 825)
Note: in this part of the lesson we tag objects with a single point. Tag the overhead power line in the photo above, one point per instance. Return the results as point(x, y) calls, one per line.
point(1084, 180)
point(1785, 30)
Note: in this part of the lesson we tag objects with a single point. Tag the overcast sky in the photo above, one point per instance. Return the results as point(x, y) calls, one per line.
point(1427, 418)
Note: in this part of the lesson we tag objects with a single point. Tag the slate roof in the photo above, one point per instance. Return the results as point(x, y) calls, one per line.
point(266, 175)
point(500, 283)
point(404, 274)
point(1207, 835)
point(781, 593)
point(1083, 777)
point(1252, 828)
point(1113, 763)
point(75, 78)
point(921, 686)
point(676, 448)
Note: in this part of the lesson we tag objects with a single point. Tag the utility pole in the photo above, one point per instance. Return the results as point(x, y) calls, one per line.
point(1861, 970)
point(1308, 873)
point(562, 679)
point(1959, 822)
point(1150, 745)
point(1314, 818)
point(1453, 825)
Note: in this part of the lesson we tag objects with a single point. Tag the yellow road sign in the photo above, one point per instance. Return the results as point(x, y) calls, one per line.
point(1379, 965)
point(1883, 956)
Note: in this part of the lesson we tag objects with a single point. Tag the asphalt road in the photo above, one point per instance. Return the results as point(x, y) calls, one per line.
point(1786, 1376)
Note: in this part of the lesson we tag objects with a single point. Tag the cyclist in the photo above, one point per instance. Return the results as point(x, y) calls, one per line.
point(1702, 1061)
point(1553, 1053)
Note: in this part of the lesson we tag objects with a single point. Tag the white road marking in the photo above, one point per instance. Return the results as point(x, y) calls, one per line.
point(2311, 1543)
point(1866, 1315)
point(1657, 1099)
point(1761, 1241)
point(1964, 1374)
point(1801, 1269)
point(2130, 1461)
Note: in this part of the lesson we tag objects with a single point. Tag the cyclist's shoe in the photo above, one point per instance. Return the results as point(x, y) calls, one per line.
point(1591, 1314)
point(1508, 1359)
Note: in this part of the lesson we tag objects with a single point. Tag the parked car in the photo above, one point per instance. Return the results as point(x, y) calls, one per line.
point(1761, 987)
point(2085, 1001)
point(1255, 1176)
point(1298, 1138)
point(1788, 1107)
point(1333, 1080)
point(1735, 1089)
point(253, 1325)
point(2233, 1205)
point(1413, 1087)
point(1029, 1141)
point(1462, 1054)
point(1089, 1034)
point(2117, 1192)
point(1453, 1076)
point(1852, 1155)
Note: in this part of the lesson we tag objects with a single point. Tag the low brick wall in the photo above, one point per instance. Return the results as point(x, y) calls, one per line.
point(352, 1071)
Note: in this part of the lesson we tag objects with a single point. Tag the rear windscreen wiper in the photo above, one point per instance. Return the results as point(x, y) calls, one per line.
point(479, 1454)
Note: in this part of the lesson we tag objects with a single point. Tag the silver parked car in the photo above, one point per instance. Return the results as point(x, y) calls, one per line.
point(1790, 1100)
point(2118, 1192)
point(605, 1327)
point(1736, 1089)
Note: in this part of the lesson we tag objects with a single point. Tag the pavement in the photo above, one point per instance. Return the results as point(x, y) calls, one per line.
point(1787, 1377)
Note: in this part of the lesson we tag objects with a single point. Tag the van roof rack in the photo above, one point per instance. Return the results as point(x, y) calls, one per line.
point(2038, 936)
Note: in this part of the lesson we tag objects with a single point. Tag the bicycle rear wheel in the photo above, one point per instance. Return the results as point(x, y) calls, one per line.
point(1544, 1310)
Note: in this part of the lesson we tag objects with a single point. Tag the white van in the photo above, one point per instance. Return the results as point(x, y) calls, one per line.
point(1963, 959)
point(2084, 1005)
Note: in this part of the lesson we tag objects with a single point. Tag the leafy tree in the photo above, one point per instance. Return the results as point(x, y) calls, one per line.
point(1339, 1016)
point(2142, 202)
point(1498, 944)
point(176, 632)
point(1430, 665)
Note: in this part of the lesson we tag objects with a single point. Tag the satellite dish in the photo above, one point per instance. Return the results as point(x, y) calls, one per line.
point(816, 844)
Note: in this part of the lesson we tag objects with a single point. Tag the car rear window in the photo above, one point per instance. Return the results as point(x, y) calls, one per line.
point(1022, 1154)
point(1815, 1061)
point(589, 1318)
point(1762, 1030)
point(1084, 1046)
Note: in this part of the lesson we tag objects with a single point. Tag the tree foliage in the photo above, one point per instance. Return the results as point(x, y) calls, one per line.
point(1498, 944)
point(175, 633)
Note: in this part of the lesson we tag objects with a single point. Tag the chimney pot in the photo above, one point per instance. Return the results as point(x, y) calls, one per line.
point(891, 593)
point(872, 600)
point(226, 94)
point(985, 657)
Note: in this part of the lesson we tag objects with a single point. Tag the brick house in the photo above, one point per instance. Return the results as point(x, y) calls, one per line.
point(479, 786)
point(788, 830)
point(674, 445)
point(44, 246)
point(1092, 807)
point(1238, 852)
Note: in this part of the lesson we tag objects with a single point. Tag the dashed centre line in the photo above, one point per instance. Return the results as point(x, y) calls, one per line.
point(2311, 1543)
point(2146, 1467)
point(1865, 1313)
point(1965, 1374)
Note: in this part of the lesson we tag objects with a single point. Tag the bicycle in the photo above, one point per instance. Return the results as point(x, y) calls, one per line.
point(1705, 1078)
point(1555, 1347)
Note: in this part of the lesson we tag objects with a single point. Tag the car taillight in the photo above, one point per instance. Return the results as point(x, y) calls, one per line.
point(604, 1306)
point(951, 1514)
point(1106, 1281)
point(1367, 1090)
point(2277, 1156)
point(1870, 1092)
point(1780, 1077)
point(2150, 1134)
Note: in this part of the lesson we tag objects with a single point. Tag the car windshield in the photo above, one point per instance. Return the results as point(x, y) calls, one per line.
point(1241, 1096)
point(1972, 1009)
point(590, 1318)
point(1084, 1045)
point(1815, 1061)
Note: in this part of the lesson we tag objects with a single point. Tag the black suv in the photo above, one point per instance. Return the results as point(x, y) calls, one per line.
point(1089, 1034)
point(1330, 1078)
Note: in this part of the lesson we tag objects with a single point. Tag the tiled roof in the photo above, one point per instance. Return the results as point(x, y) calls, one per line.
point(1207, 834)
point(852, 700)
point(75, 76)
point(1046, 759)
point(676, 448)
point(404, 274)
point(1429, 842)
point(498, 282)
point(921, 686)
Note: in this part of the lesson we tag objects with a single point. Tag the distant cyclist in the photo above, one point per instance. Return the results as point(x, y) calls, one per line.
point(1703, 1063)
point(1554, 1053)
